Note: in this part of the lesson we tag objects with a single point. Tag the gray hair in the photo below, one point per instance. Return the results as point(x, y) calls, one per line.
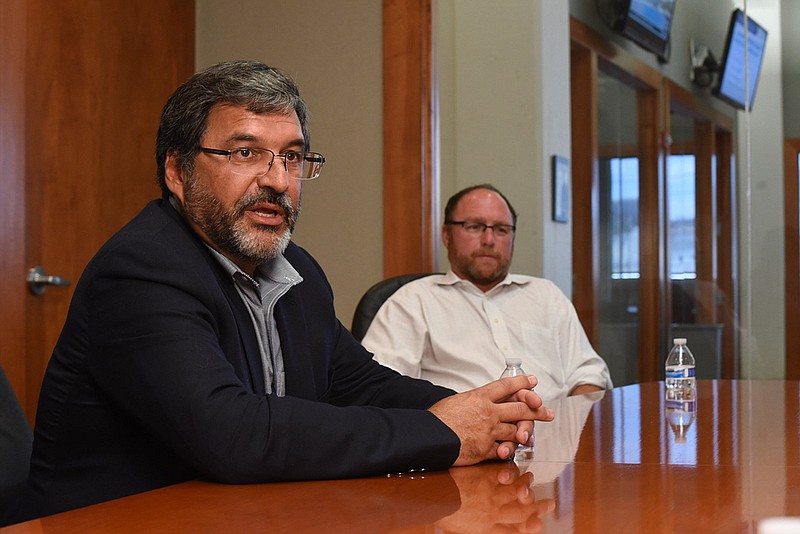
point(260, 88)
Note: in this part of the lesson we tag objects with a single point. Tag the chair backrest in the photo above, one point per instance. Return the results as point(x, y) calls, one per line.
point(374, 298)
point(16, 440)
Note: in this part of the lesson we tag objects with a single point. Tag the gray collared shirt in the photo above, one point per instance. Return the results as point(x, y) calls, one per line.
point(273, 279)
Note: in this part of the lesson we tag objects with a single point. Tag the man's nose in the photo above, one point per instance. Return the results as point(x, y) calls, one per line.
point(487, 236)
point(277, 177)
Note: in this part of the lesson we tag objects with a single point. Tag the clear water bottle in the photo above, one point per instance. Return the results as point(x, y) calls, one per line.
point(679, 377)
point(514, 368)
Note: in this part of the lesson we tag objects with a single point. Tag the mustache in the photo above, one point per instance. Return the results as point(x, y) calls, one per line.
point(267, 196)
point(486, 252)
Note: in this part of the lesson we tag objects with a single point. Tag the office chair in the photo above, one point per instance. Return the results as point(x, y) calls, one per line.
point(374, 298)
point(16, 440)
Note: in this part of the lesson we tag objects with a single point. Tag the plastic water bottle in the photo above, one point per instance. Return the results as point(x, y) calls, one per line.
point(514, 368)
point(679, 376)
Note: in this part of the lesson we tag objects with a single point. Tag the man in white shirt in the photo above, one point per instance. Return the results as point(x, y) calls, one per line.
point(458, 329)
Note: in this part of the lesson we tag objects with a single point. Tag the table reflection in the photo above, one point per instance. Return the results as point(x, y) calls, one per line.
point(496, 497)
point(639, 424)
point(490, 497)
point(718, 462)
point(557, 442)
point(680, 416)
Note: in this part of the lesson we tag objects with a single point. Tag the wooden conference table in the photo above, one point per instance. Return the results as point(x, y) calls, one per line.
point(611, 463)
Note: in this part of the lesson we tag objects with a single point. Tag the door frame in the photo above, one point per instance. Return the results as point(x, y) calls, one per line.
point(791, 198)
point(591, 53)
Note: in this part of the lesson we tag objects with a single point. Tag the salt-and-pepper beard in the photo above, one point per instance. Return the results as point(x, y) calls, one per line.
point(231, 231)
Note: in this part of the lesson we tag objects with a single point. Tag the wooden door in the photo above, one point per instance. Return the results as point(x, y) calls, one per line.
point(90, 83)
point(12, 192)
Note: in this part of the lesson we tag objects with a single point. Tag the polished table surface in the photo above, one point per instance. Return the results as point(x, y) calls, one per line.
point(618, 461)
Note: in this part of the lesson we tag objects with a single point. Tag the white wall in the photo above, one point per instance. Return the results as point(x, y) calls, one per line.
point(334, 51)
point(504, 112)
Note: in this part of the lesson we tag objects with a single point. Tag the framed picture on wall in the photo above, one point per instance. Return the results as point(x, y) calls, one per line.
point(560, 189)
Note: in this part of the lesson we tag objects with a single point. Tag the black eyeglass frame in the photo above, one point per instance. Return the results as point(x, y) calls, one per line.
point(315, 158)
point(513, 228)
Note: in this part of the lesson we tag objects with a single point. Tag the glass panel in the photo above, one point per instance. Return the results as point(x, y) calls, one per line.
point(618, 291)
point(681, 211)
point(694, 292)
point(623, 205)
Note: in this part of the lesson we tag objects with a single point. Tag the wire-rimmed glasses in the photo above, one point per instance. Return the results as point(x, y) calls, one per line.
point(477, 228)
point(253, 161)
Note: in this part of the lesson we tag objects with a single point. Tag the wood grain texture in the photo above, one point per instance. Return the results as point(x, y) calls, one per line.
point(95, 75)
point(13, 291)
point(410, 202)
point(727, 247)
point(652, 240)
point(585, 190)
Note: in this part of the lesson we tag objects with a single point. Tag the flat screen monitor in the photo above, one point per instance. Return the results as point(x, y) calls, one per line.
point(648, 23)
point(732, 83)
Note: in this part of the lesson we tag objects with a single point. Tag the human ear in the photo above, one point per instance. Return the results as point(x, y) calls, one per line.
point(174, 176)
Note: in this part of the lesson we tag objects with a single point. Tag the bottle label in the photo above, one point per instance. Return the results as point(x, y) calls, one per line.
point(683, 405)
point(680, 372)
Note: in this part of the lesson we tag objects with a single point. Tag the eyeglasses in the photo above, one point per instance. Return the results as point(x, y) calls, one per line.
point(258, 161)
point(477, 228)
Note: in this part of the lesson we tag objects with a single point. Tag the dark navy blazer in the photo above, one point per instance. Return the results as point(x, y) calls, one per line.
point(156, 379)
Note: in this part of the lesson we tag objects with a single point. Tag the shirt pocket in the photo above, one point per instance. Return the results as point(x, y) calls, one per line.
point(542, 354)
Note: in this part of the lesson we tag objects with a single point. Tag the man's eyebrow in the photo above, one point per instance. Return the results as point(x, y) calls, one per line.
point(249, 138)
point(242, 137)
point(299, 142)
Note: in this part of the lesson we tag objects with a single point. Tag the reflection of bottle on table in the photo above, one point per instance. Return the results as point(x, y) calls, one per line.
point(557, 442)
point(680, 416)
point(514, 368)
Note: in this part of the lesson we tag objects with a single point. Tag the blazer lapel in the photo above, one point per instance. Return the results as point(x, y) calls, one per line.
point(292, 329)
point(247, 362)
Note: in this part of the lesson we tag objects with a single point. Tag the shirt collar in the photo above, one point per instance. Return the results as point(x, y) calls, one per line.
point(451, 279)
point(277, 270)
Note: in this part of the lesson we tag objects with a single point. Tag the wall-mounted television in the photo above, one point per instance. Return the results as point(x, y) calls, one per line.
point(645, 22)
point(731, 85)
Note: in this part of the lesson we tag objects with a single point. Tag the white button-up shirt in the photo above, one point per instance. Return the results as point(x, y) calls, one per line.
point(446, 330)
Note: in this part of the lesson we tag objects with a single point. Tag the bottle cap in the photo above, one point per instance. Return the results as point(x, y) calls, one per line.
point(679, 341)
point(513, 361)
